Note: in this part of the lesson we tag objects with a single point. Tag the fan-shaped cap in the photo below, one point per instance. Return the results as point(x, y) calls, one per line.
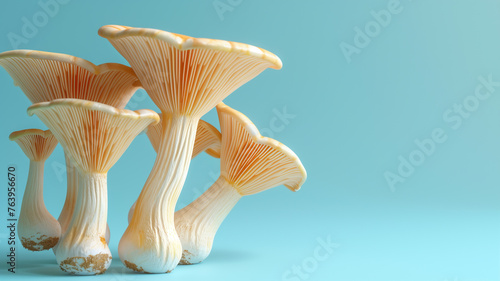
point(45, 76)
point(208, 138)
point(94, 135)
point(253, 163)
point(36, 144)
point(186, 75)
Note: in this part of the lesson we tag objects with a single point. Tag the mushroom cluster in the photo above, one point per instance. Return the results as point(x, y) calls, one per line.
point(82, 105)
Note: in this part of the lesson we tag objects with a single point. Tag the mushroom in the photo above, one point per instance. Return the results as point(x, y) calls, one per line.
point(45, 76)
point(207, 139)
point(38, 230)
point(94, 136)
point(185, 77)
point(250, 163)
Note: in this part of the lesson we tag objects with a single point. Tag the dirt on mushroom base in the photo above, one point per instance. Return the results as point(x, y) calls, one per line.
point(184, 259)
point(44, 243)
point(93, 263)
point(133, 266)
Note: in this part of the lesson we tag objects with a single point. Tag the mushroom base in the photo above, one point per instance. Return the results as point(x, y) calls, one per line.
point(189, 258)
point(83, 249)
point(40, 243)
point(90, 265)
point(136, 251)
point(198, 222)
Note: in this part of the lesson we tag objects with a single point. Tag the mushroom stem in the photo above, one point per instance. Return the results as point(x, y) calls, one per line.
point(208, 139)
point(34, 219)
point(198, 222)
point(156, 204)
point(83, 246)
point(73, 179)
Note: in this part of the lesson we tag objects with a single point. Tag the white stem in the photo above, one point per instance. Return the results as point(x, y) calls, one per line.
point(73, 178)
point(150, 243)
point(38, 230)
point(83, 249)
point(198, 222)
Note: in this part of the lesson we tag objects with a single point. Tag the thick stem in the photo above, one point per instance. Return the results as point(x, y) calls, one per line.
point(73, 178)
point(150, 243)
point(83, 249)
point(38, 230)
point(198, 222)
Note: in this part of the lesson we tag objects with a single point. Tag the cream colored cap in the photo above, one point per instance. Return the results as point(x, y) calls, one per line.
point(45, 76)
point(93, 134)
point(36, 144)
point(186, 75)
point(253, 163)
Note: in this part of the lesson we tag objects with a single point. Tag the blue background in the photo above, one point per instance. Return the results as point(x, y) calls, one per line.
point(354, 116)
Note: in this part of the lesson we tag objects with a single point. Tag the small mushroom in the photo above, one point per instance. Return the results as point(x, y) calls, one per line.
point(207, 139)
point(94, 136)
point(250, 163)
point(38, 230)
point(185, 77)
point(46, 76)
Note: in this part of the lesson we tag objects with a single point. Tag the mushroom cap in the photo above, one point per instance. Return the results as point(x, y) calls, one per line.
point(208, 138)
point(36, 144)
point(93, 134)
point(183, 42)
point(186, 75)
point(45, 76)
point(253, 163)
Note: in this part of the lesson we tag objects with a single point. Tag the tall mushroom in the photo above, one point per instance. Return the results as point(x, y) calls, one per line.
point(95, 136)
point(207, 139)
point(38, 230)
point(250, 163)
point(45, 76)
point(185, 77)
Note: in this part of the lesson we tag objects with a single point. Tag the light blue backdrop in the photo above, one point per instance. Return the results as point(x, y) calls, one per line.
point(387, 107)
